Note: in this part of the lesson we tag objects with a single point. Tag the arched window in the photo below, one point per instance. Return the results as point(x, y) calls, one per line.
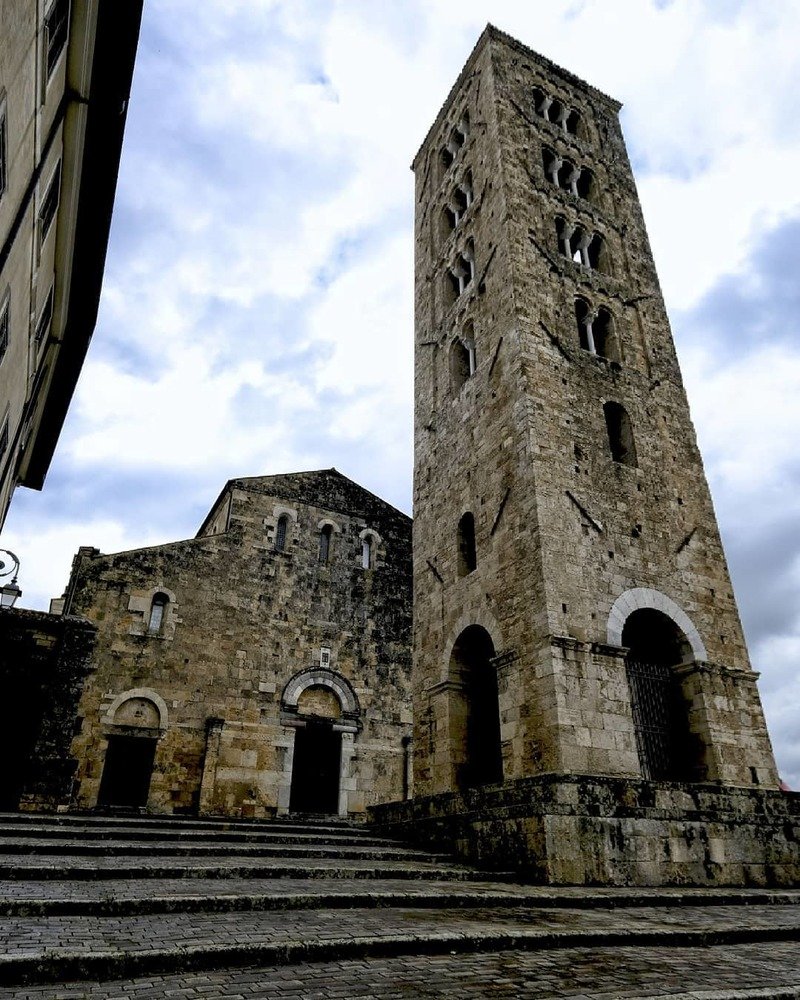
point(595, 254)
point(158, 606)
point(583, 314)
point(605, 341)
point(620, 434)
point(467, 556)
point(367, 552)
point(280, 533)
point(583, 183)
point(572, 123)
point(325, 544)
point(462, 358)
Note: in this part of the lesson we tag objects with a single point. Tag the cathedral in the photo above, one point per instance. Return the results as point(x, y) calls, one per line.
point(574, 697)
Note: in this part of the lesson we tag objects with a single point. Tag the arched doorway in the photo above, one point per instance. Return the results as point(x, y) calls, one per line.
point(475, 715)
point(656, 645)
point(316, 766)
point(128, 766)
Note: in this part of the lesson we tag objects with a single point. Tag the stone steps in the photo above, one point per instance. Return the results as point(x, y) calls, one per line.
point(158, 848)
point(110, 898)
point(126, 898)
point(38, 950)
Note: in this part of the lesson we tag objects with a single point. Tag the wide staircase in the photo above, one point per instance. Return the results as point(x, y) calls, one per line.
point(141, 907)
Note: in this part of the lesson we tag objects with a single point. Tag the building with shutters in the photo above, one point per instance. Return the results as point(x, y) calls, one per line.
point(65, 77)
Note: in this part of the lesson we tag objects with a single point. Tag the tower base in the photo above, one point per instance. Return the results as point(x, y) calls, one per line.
point(580, 830)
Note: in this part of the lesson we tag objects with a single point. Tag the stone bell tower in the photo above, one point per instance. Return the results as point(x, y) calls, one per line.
point(573, 609)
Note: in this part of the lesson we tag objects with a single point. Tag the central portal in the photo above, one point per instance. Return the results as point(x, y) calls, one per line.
point(315, 771)
point(127, 772)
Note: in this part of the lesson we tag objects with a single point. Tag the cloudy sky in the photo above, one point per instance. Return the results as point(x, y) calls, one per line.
point(257, 308)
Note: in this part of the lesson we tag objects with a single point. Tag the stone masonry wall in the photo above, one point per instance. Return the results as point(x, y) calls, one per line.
point(242, 620)
point(566, 533)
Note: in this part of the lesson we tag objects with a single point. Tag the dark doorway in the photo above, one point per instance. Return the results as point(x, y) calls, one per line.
point(476, 731)
point(127, 771)
point(667, 750)
point(315, 771)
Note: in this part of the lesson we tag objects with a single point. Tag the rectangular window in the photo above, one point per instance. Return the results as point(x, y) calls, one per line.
point(45, 319)
point(3, 147)
point(4, 321)
point(49, 205)
point(56, 23)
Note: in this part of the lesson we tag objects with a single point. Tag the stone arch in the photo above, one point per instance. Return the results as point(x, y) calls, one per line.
point(147, 694)
point(321, 677)
point(483, 618)
point(639, 598)
point(474, 710)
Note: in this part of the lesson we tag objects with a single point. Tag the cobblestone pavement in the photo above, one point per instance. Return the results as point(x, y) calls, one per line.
point(769, 972)
point(84, 935)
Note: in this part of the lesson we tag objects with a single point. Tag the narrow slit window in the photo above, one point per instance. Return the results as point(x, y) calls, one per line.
point(280, 533)
point(158, 607)
point(367, 552)
point(620, 434)
point(4, 438)
point(584, 323)
point(325, 544)
point(467, 555)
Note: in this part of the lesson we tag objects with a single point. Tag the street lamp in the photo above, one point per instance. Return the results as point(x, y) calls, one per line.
point(9, 592)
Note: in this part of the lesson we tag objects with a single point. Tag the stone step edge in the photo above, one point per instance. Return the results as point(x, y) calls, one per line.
point(63, 873)
point(354, 852)
point(47, 966)
point(66, 820)
point(745, 993)
point(433, 899)
point(130, 834)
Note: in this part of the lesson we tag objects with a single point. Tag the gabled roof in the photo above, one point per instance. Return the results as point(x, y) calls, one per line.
point(326, 488)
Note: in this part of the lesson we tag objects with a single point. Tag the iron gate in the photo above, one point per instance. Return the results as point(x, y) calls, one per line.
point(657, 719)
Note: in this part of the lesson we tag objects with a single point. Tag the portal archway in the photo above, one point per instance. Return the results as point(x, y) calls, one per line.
point(322, 709)
point(656, 645)
point(475, 711)
point(133, 733)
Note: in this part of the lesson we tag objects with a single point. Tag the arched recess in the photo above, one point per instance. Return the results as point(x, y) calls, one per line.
point(646, 597)
point(474, 715)
point(322, 709)
point(657, 637)
point(134, 723)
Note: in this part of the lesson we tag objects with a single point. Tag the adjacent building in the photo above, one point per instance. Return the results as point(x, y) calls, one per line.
point(260, 668)
point(65, 77)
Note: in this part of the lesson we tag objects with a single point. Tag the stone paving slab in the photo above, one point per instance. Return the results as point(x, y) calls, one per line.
point(59, 948)
point(722, 972)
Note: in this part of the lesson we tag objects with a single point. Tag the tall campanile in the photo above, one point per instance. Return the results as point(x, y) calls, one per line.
point(573, 609)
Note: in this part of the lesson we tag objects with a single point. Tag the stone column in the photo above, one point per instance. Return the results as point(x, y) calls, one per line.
point(208, 781)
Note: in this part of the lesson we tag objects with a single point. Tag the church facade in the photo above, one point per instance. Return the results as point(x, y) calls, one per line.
point(260, 668)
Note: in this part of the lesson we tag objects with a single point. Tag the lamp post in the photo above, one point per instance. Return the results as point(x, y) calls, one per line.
point(9, 566)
